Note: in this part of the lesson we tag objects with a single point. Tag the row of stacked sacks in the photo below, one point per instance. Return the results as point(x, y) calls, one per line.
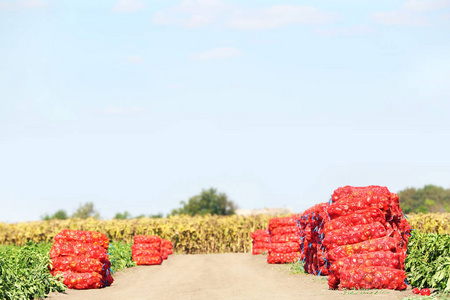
point(260, 241)
point(150, 249)
point(284, 240)
point(81, 258)
point(359, 239)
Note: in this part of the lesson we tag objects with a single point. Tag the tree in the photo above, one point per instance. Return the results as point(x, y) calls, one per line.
point(156, 216)
point(430, 198)
point(60, 215)
point(208, 202)
point(123, 216)
point(86, 211)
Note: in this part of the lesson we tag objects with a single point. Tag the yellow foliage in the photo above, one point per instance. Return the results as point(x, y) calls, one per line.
point(193, 235)
point(430, 223)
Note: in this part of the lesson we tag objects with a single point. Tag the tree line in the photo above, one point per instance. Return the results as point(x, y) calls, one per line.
point(207, 202)
point(430, 198)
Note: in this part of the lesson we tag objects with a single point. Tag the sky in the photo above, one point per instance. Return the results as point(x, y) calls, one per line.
point(137, 105)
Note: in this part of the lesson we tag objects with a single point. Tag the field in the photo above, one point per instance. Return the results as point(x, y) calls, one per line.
point(426, 265)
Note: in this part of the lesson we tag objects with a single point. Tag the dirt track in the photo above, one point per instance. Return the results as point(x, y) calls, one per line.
point(220, 276)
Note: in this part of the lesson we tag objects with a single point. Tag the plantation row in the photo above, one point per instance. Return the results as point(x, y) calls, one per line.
point(191, 235)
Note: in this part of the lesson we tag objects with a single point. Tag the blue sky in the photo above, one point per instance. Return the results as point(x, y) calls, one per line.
point(136, 105)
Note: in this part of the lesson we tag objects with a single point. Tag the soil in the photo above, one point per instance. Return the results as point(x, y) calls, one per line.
point(220, 276)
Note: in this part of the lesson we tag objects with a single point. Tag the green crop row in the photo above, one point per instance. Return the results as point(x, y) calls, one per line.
point(427, 263)
point(24, 270)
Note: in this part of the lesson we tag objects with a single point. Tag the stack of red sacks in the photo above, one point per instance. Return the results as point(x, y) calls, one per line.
point(146, 250)
point(81, 258)
point(284, 240)
point(313, 251)
point(166, 248)
point(366, 239)
point(260, 241)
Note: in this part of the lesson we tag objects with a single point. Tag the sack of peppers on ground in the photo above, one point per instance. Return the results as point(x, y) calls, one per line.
point(360, 239)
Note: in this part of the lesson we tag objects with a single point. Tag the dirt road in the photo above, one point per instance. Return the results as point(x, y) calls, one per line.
point(220, 276)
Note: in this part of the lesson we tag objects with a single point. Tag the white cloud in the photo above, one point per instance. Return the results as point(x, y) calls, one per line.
point(192, 13)
point(129, 6)
point(217, 53)
point(346, 31)
point(135, 59)
point(123, 110)
point(200, 13)
point(399, 17)
point(413, 13)
point(279, 16)
point(20, 4)
point(425, 5)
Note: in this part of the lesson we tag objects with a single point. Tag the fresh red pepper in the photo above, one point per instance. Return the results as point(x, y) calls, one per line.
point(416, 290)
point(425, 292)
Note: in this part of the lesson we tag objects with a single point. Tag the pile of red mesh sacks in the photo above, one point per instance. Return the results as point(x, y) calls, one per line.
point(284, 240)
point(166, 248)
point(146, 250)
point(311, 237)
point(359, 239)
point(260, 241)
point(81, 258)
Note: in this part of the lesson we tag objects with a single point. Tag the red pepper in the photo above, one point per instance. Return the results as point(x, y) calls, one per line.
point(416, 290)
point(425, 292)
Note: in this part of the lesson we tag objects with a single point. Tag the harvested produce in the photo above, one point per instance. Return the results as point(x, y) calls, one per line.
point(81, 258)
point(146, 250)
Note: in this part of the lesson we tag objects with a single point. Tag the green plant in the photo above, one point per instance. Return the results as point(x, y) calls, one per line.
point(364, 292)
point(428, 261)
point(24, 272)
point(297, 268)
point(120, 256)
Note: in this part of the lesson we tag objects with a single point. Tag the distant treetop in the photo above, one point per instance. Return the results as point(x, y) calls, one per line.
point(208, 202)
point(430, 198)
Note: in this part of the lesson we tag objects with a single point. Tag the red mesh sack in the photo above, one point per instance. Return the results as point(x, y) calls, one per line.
point(262, 239)
point(372, 278)
point(360, 217)
point(284, 247)
point(353, 235)
point(261, 245)
point(91, 237)
point(258, 251)
point(282, 258)
point(166, 244)
point(285, 230)
point(82, 281)
point(148, 260)
point(285, 238)
point(379, 258)
point(80, 264)
point(146, 239)
point(347, 207)
point(380, 244)
point(146, 253)
point(75, 249)
point(153, 246)
point(350, 192)
point(259, 233)
point(281, 222)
